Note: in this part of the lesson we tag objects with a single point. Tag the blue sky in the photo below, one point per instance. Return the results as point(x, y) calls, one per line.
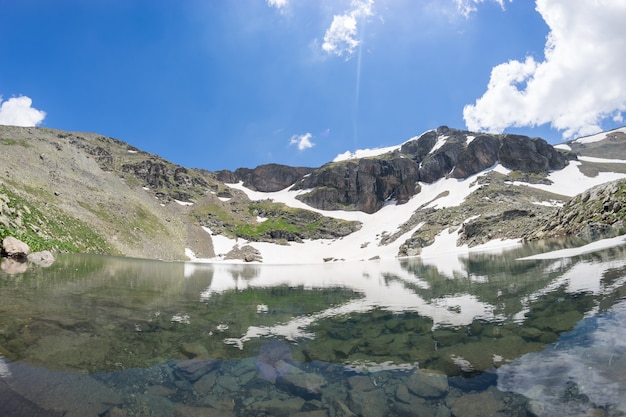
point(223, 84)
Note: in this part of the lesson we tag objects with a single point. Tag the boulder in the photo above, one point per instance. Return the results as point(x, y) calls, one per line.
point(14, 248)
point(43, 258)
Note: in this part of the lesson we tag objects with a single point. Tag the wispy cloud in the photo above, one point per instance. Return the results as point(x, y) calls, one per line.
point(18, 111)
point(467, 7)
point(302, 141)
point(341, 37)
point(580, 83)
point(279, 4)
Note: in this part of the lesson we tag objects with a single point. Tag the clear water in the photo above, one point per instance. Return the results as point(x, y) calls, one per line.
point(484, 335)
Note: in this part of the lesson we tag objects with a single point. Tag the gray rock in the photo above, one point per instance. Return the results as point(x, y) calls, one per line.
point(44, 258)
point(301, 384)
point(14, 248)
point(487, 403)
point(368, 403)
point(428, 384)
point(192, 370)
point(277, 407)
point(70, 394)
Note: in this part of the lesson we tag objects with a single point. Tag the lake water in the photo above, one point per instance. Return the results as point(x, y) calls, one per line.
point(457, 336)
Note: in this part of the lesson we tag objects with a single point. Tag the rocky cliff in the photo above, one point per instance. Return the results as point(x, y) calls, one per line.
point(367, 184)
point(265, 178)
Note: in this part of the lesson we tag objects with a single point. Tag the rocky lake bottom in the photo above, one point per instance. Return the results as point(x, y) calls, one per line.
point(483, 335)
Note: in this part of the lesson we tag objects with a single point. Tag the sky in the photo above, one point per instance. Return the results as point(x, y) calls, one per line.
point(223, 84)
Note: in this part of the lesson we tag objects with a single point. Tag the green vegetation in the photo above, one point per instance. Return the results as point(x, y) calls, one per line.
point(10, 142)
point(529, 177)
point(52, 230)
point(284, 222)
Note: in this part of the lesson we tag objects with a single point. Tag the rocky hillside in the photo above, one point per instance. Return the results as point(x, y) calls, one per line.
point(86, 192)
point(597, 212)
point(90, 193)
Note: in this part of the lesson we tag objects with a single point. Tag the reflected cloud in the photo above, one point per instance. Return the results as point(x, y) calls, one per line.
point(547, 377)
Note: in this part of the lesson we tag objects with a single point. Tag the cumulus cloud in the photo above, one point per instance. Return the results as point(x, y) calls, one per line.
point(341, 37)
point(18, 111)
point(467, 7)
point(303, 141)
point(580, 83)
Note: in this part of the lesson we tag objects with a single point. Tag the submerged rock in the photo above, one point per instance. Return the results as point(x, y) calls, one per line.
point(274, 360)
point(428, 384)
point(60, 393)
point(193, 369)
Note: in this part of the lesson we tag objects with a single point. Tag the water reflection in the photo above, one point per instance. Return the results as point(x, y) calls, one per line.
point(517, 337)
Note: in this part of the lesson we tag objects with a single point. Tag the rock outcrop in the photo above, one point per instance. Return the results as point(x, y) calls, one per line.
point(264, 178)
point(598, 212)
point(166, 179)
point(367, 184)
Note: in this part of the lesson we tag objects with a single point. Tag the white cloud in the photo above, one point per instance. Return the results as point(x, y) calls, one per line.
point(580, 83)
point(17, 111)
point(279, 4)
point(303, 141)
point(341, 37)
point(467, 7)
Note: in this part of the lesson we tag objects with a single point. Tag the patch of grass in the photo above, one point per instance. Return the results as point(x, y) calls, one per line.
point(49, 230)
point(10, 142)
point(256, 231)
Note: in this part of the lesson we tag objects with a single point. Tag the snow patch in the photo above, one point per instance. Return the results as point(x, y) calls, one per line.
point(441, 140)
point(570, 181)
point(599, 136)
point(364, 153)
point(601, 160)
point(184, 203)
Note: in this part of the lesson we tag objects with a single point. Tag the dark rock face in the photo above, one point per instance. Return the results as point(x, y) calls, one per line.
point(363, 184)
point(265, 178)
point(438, 164)
point(524, 154)
point(367, 184)
point(480, 154)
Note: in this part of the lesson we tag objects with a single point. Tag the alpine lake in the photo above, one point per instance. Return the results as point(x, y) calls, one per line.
point(464, 336)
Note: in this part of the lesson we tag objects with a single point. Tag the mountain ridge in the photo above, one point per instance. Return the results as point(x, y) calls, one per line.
point(140, 205)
